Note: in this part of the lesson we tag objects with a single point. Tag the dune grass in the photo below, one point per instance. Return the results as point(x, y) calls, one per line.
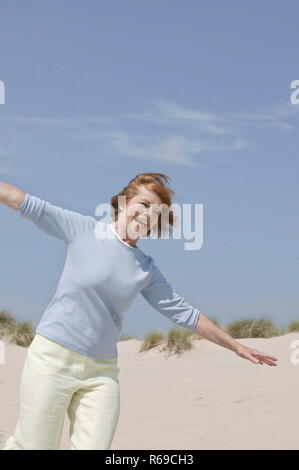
point(23, 334)
point(20, 333)
point(253, 328)
point(293, 327)
point(180, 339)
point(7, 323)
point(176, 341)
point(152, 340)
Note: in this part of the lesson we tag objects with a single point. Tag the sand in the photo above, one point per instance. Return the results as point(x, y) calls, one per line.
point(208, 398)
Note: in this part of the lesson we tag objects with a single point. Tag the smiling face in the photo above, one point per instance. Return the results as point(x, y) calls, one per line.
point(139, 215)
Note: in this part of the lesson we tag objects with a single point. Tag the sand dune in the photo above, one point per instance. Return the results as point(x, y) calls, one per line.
point(208, 398)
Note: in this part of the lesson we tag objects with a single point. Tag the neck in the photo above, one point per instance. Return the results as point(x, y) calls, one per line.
point(120, 231)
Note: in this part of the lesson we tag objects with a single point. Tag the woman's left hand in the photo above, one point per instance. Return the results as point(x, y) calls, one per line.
point(257, 357)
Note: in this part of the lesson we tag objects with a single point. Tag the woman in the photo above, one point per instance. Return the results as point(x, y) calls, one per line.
point(72, 363)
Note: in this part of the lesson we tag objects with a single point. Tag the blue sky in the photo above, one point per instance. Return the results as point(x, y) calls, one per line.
point(101, 91)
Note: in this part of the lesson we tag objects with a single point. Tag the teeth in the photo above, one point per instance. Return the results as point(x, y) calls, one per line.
point(140, 221)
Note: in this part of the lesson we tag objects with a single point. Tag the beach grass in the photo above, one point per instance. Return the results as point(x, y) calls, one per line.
point(175, 341)
point(253, 328)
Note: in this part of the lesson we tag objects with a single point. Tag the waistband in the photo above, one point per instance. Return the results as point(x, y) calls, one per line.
point(56, 346)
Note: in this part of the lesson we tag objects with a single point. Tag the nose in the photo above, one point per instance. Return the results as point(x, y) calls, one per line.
point(144, 213)
point(154, 210)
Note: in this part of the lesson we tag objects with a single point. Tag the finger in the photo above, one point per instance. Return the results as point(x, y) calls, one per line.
point(263, 355)
point(252, 359)
point(267, 360)
point(262, 361)
point(262, 358)
point(266, 355)
point(270, 363)
point(271, 358)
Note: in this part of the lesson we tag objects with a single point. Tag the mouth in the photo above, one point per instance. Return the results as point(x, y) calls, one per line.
point(141, 222)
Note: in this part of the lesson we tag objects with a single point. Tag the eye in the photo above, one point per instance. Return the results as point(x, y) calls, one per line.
point(146, 204)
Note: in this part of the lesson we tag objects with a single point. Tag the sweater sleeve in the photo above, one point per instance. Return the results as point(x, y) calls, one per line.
point(54, 220)
point(161, 295)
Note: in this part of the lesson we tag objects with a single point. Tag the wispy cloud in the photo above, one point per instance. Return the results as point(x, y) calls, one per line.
point(170, 113)
point(181, 136)
point(278, 118)
point(175, 149)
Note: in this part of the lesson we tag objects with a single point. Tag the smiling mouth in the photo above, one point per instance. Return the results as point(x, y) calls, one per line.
point(141, 222)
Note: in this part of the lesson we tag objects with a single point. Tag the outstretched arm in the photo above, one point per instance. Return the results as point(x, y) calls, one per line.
point(208, 330)
point(11, 196)
point(160, 294)
point(54, 220)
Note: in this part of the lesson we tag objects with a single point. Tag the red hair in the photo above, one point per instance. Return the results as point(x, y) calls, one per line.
point(157, 183)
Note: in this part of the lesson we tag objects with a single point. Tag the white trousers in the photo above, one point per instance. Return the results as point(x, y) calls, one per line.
point(56, 380)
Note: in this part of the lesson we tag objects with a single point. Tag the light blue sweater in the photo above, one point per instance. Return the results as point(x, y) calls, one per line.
point(101, 277)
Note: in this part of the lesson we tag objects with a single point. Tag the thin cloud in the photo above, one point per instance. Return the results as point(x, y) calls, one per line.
point(44, 121)
point(217, 124)
point(183, 136)
point(170, 113)
point(176, 149)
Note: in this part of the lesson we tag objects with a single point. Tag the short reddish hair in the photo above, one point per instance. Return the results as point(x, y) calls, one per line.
point(155, 182)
